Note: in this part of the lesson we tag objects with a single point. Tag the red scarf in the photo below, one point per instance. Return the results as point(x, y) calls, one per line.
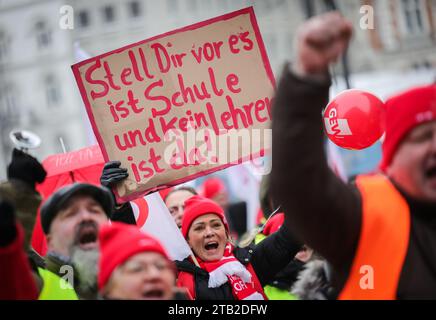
point(243, 280)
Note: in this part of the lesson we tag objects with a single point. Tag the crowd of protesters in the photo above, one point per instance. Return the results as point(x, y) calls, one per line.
point(314, 247)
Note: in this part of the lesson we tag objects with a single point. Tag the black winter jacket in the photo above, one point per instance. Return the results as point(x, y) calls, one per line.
point(267, 259)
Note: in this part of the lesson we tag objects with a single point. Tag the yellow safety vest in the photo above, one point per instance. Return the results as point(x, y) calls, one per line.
point(272, 292)
point(55, 288)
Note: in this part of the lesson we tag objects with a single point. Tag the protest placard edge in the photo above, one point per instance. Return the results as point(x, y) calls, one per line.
point(136, 195)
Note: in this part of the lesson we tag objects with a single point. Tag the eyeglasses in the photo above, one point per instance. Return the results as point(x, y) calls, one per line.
point(141, 267)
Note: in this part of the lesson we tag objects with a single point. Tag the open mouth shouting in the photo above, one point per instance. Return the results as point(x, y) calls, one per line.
point(154, 293)
point(86, 235)
point(211, 247)
point(430, 172)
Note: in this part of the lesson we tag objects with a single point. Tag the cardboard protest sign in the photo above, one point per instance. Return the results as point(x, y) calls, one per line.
point(183, 104)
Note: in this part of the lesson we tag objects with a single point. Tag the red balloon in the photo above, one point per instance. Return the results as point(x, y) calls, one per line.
point(354, 119)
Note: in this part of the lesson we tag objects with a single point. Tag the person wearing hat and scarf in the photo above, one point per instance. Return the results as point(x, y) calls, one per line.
point(71, 218)
point(134, 266)
point(226, 272)
point(215, 189)
point(379, 234)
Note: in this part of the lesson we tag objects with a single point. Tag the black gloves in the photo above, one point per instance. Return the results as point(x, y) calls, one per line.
point(26, 168)
point(112, 174)
point(8, 230)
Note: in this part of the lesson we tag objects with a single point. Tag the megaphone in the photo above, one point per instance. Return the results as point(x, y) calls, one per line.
point(25, 140)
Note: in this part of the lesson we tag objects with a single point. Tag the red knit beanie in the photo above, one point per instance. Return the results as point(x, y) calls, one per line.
point(118, 242)
point(212, 187)
point(197, 206)
point(404, 112)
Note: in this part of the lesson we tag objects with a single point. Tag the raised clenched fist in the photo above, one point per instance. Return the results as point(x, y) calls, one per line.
point(320, 41)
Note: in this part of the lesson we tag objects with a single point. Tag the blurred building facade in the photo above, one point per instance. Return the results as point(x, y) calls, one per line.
point(38, 91)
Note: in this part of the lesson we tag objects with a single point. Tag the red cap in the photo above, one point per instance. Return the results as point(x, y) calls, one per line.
point(197, 206)
point(274, 224)
point(404, 112)
point(120, 241)
point(212, 187)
